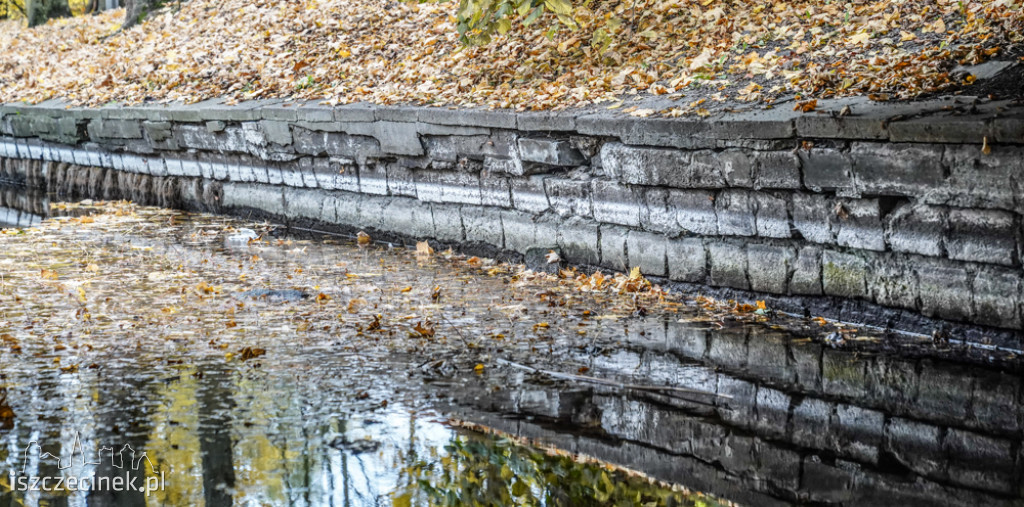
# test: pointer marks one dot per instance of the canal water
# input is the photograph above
(241, 363)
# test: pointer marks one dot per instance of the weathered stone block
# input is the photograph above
(101, 128)
(980, 461)
(988, 236)
(299, 202)
(247, 195)
(569, 197)
(891, 383)
(736, 165)
(355, 147)
(546, 121)
(772, 412)
(447, 222)
(827, 169)
(333, 175)
(738, 409)
(769, 267)
(994, 406)
(614, 203)
(687, 260)
(528, 194)
(982, 181)
(858, 224)
(401, 180)
(656, 166)
(309, 142)
(483, 225)
(997, 298)
(693, 210)
(860, 432)
(918, 229)
(355, 112)
(893, 283)
(844, 274)
(521, 232)
(213, 126)
(897, 169)
(686, 339)
(771, 214)
(510, 166)
(812, 418)
(409, 217)
(647, 251)
(197, 137)
(812, 217)
(549, 151)
(398, 138)
(943, 393)
(735, 213)
(728, 265)
(842, 374)
(579, 241)
(447, 187)
(613, 247)
(768, 358)
(944, 291)
(466, 117)
(776, 169)
(656, 212)
(917, 446)
(495, 190)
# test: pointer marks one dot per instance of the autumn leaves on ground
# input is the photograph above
(388, 52)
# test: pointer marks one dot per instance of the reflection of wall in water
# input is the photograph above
(21, 206)
(803, 421)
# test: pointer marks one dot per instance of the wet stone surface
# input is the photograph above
(254, 366)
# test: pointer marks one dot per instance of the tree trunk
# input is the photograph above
(39, 11)
(135, 11)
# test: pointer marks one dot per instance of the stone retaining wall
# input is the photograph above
(903, 217)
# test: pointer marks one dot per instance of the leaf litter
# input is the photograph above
(388, 52)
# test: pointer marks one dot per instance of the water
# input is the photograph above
(382, 377)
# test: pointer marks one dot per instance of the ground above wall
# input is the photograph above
(902, 215)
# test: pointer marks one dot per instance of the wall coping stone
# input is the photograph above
(946, 120)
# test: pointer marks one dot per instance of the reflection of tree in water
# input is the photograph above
(482, 470)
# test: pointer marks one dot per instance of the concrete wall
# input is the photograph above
(889, 222)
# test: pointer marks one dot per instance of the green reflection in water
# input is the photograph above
(481, 470)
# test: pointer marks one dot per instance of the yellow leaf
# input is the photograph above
(860, 38)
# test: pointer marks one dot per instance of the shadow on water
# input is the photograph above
(781, 417)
